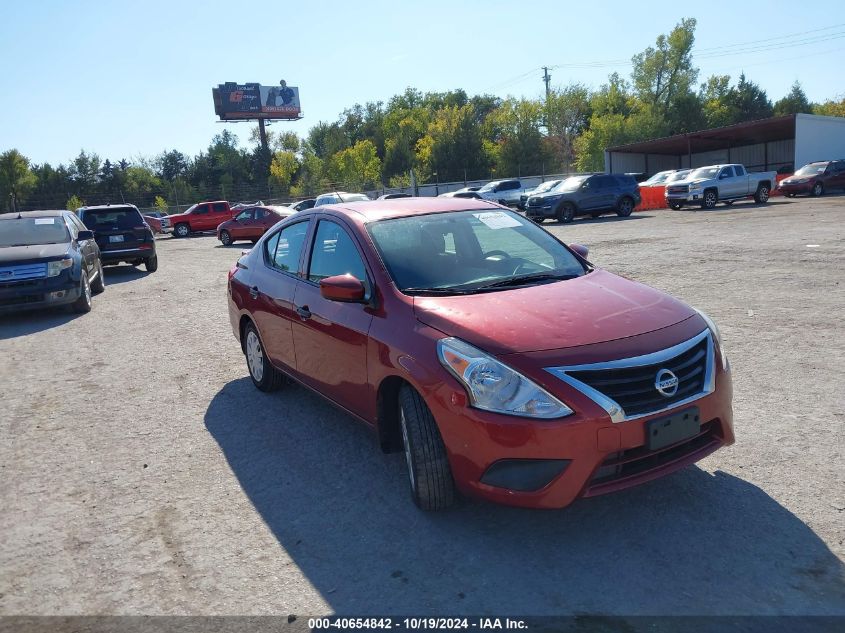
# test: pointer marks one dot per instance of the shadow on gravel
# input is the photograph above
(688, 543)
(123, 273)
(602, 219)
(23, 323)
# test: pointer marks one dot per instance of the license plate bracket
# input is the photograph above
(671, 429)
(115, 238)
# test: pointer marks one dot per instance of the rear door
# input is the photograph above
(220, 212)
(265, 219)
(330, 338)
(274, 283)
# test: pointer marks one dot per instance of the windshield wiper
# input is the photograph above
(442, 290)
(522, 280)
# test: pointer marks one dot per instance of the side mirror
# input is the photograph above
(582, 250)
(345, 288)
(85, 235)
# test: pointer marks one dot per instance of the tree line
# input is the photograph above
(434, 136)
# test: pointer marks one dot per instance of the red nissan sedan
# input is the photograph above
(250, 223)
(502, 362)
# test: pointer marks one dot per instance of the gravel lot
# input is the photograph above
(143, 474)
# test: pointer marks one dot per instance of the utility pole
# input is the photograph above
(546, 79)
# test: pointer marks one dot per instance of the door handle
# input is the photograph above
(303, 312)
(253, 292)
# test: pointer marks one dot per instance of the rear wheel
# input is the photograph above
(429, 474)
(83, 304)
(99, 284)
(566, 213)
(264, 376)
(625, 207)
(710, 199)
(818, 189)
(761, 196)
(151, 264)
(226, 238)
(181, 230)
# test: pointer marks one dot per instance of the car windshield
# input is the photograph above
(489, 186)
(190, 208)
(105, 219)
(354, 197)
(704, 172)
(32, 231)
(811, 169)
(547, 186)
(571, 184)
(678, 175)
(658, 178)
(462, 252)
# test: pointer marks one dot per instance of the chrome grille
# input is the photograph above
(21, 272)
(677, 189)
(627, 388)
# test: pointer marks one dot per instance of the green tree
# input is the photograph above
(73, 203)
(85, 171)
(605, 131)
(454, 146)
(515, 127)
(830, 108)
(567, 115)
(749, 101)
(310, 179)
(717, 106)
(794, 103)
(282, 170)
(665, 71)
(160, 204)
(357, 167)
(16, 179)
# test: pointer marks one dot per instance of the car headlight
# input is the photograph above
(56, 267)
(493, 386)
(718, 338)
(801, 181)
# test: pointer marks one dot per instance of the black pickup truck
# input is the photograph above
(47, 258)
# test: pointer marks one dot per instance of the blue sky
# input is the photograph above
(124, 79)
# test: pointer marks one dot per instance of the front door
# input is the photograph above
(241, 227)
(330, 338)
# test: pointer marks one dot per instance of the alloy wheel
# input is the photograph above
(254, 356)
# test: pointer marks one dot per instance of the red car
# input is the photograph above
(251, 223)
(502, 362)
(203, 216)
(815, 178)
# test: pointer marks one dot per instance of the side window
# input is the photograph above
(740, 171)
(511, 185)
(71, 225)
(76, 222)
(727, 172)
(201, 210)
(220, 207)
(260, 213)
(282, 250)
(334, 253)
(244, 215)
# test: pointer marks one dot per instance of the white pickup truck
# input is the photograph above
(505, 192)
(706, 186)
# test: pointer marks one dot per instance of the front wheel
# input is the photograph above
(151, 264)
(566, 213)
(264, 376)
(83, 304)
(181, 230)
(818, 189)
(226, 238)
(709, 200)
(625, 207)
(761, 196)
(429, 474)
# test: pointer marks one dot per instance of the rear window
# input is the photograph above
(33, 231)
(112, 218)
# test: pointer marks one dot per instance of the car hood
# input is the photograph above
(552, 195)
(595, 308)
(177, 216)
(697, 181)
(13, 254)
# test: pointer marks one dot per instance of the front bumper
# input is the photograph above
(804, 187)
(126, 255)
(45, 293)
(546, 211)
(584, 454)
(682, 198)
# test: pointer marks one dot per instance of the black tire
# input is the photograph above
(675, 207)
(429, 474)
(83, 304)
(818, 190)
(264, 376)
(99, 284)
(537, 220)
(711, 197)
(151, 264)
(181, 230)
(761, 196)
(625, 207)
(226, 238)
(566, 213)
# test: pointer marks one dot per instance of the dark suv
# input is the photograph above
(122, 234)
(586, 195)
(47, 258)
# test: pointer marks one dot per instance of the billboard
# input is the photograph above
(234, 101)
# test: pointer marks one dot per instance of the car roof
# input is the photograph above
(374, 210)
(34, 214)
(97, 207)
